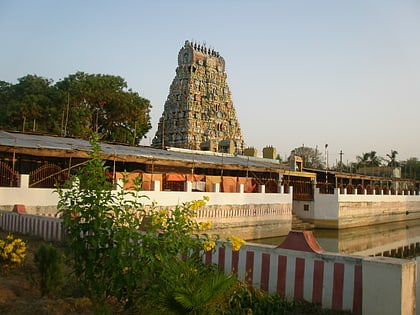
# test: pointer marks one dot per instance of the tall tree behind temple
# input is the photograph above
(75, 106)
(25, 106)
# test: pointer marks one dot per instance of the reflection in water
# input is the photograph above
(401, 239)
(372, 240)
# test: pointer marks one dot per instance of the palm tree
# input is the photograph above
(368, 159)
(362, 160)
(374, 160)
(392, 159)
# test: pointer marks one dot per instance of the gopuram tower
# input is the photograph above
(198, 113)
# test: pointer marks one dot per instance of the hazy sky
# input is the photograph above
(313, 72)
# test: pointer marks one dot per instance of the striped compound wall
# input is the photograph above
(300, 269)
(296, 269)
(332, 280)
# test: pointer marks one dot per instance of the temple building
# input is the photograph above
(198, 113)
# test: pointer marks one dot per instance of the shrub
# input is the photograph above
(119, 247)
(49, 263)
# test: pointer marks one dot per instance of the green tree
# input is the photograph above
(411, 168)
(6, 98)
(102, 104)
(312, 158)
(393, 159)
(30, 98)
(368, 159)
(76, 106)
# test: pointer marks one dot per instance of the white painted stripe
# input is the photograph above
(215, 256)
(256, 279)
(308, 280)
(328, 284)
(290, 277)
(241, 265)
(228, 260)
(348, 288)
(272, 280)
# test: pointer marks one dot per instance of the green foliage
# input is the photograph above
(188, 286)
(48, 260)
(369, 159)
(119, 247)
(75, 106)
(411, 168)
(245, 299)
(312, 158)
(101, 232)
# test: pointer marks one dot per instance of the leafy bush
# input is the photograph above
(49, 263)
(12, 253)
(119, 247)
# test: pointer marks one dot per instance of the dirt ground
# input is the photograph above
(20, 293)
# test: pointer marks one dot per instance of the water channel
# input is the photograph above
(400, 240)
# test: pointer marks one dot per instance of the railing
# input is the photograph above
(8, 177)
(47, 176)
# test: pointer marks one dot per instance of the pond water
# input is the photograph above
(367, 241)
(401, 240)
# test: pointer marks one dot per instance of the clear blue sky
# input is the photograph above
(346, 73)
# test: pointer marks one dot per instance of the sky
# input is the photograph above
(301, 73)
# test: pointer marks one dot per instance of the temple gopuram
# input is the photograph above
(198, 113)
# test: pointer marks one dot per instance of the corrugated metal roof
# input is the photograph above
(68, 145)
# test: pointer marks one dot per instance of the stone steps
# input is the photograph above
(300, 225)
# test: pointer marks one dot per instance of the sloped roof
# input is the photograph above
(61, 147)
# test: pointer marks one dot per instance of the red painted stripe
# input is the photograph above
(358, 290)
(235, 262)
(338, 284)
(318, 282)
(299, 278)
(221, 259)
(281, 275)
(209, 255)
(265, 271)
(249, 267)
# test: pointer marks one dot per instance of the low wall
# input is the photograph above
(296, 269)
(246, 215)
(338, 210)
(47, 228)
(299, 269)
(44, 200)
(248, 221)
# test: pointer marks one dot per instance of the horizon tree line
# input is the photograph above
(76, 106)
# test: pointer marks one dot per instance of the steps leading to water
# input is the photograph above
(300, 224)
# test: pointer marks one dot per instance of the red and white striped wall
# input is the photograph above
(305, 273)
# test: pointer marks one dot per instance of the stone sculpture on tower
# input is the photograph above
(198, 113)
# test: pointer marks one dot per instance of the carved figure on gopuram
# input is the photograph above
(198, 113)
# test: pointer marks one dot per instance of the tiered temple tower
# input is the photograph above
(199, 113)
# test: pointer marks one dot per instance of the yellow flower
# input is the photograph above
(208, 245)
(236, 243)
(198, 203)
(205, 226)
